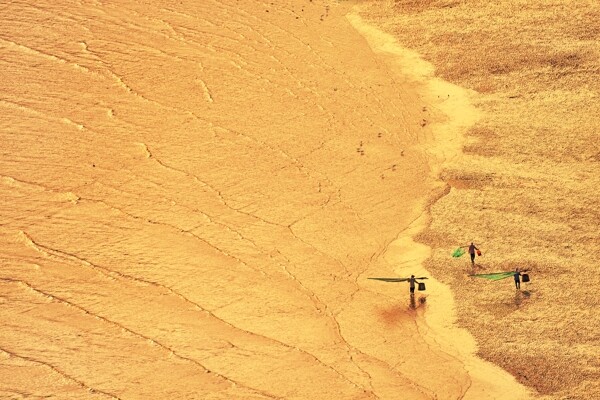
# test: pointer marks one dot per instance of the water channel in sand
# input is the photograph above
(196, 195)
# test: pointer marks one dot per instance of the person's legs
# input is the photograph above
(472, 258)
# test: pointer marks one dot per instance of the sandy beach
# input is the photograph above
(195, 195)
(525, 186)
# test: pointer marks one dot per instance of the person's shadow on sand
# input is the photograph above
(520, 296)
(413, 305)
(398, 314)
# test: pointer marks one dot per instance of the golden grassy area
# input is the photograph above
(526, 187)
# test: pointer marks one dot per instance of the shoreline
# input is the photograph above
(525, 186)
(454, 115)
(244, 169)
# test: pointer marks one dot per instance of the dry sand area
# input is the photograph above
(194, 194)
(526, 187)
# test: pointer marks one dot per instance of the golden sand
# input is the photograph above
(195, 193)
(526, 187)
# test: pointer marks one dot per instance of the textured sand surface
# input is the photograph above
(195, 193)
(526, 186)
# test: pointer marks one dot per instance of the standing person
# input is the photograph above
(472, 249)
(517, 276)
(412, 281)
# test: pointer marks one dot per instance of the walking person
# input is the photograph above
(517, 276)
(472, 249)
(412, 281)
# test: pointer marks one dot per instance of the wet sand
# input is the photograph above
(196, 193)
(525, 187)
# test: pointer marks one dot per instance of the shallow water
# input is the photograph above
(195, 195)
